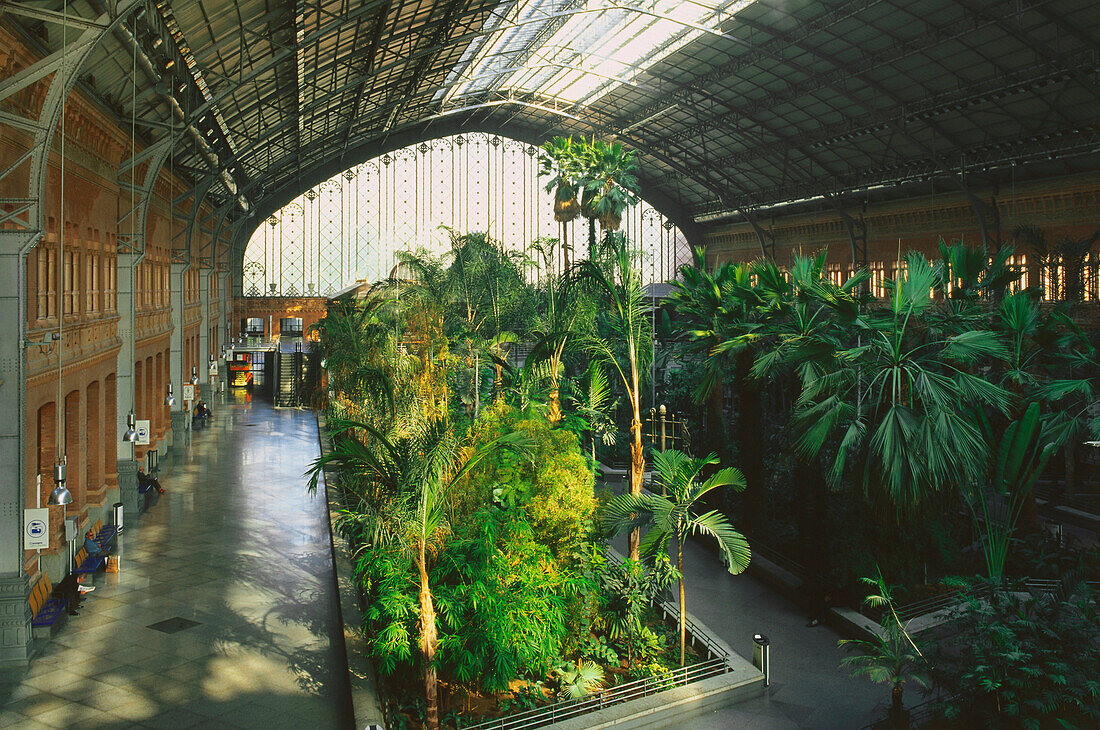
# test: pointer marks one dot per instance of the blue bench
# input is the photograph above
(102, 536)
(45, 609)
(87, 563)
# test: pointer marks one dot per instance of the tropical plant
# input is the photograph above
(1022, 454)
(625, 348)
(891, 656)
(579, 680)
(357, 346)
(503, 599)
(971, 273)
(604, 174)
(1022, 659)
(549, 480)
(592, 407)
(555, 331)
(627, 589)
(610, 183)
(898, 399)
(671, 517)
(417, 472)
(720, 317)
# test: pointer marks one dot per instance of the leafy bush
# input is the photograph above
(551, 482)
(502, 600)
(1023, 660)
(651, 668)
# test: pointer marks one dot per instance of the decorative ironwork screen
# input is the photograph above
(349, 228)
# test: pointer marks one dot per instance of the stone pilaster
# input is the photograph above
(180, 422)
(15, 622)
(15, 626)
(128, 490)
(176, 374)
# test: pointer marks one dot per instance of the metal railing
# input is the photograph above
(955, 598)
(772, 555)
(548, 715)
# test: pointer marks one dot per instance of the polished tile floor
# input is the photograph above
(223, 612)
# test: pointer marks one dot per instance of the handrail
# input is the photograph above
(925, 606)
(565, 709)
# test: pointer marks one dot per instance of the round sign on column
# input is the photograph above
(36, 529)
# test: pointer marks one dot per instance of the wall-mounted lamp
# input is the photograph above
(170, 399)
(194, 375)
(131, 428)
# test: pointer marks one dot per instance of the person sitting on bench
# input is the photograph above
(203, 411)
(71, 590)
(92, 546)
(146, 482)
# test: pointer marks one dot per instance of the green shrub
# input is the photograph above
(1026, 661)
(501, 600)
(551, 482)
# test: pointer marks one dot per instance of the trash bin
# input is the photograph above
(118, 515)
(760, 656)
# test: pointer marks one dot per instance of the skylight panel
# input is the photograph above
(576, 52)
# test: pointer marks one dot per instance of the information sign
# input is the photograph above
(142, 433)
(36, 529)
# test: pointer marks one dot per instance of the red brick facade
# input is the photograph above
(76, 289)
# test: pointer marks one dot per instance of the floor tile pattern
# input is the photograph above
(234, 560)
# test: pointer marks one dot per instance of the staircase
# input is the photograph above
(288, 379)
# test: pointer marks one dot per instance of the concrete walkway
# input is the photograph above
(808, 689)
(223, 613)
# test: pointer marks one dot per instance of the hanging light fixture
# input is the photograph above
(194, 375)
(60, 495)
(131, 428)
(170, 399)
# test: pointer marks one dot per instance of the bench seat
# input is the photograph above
(87, 563)
(103, 535)
(46, 610)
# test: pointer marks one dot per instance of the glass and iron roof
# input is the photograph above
(735, 107)
(575, 52)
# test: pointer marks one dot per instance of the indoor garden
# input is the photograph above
(893, 448)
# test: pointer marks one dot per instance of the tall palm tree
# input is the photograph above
(625, 350)
(417, 471)
(672, 518)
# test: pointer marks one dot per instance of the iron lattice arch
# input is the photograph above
(738, 108)
(351, 226)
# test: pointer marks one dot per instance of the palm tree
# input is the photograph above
(554, 331)
(898, 400)
(417, 472)
(593, 405)
(620, 288)
(672, 517)
(358, 348)
(891, 656)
